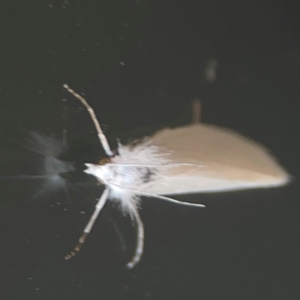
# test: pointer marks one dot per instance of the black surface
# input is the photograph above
(140, 63)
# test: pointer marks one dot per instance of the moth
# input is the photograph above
(191, 159)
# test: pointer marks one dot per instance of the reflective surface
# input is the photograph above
(139, 63)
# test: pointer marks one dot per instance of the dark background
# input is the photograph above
(139, 63)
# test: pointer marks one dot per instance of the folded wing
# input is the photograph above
(224, 160)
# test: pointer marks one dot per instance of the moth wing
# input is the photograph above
(229, 162)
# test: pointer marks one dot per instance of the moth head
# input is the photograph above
(100, 171)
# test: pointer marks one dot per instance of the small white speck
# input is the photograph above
(122, 63)
(82, 212)
(30, 278)
(50, 5)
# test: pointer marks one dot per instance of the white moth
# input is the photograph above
(190, 159)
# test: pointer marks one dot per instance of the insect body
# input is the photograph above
(190, 159)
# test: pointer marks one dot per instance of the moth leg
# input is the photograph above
(89, 225)
(100, 133)
(141, 193)
(140, 241)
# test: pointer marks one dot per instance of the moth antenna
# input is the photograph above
(100, 133)
(157, 196)
(196, 111)
(140, 240)
(89, 225)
